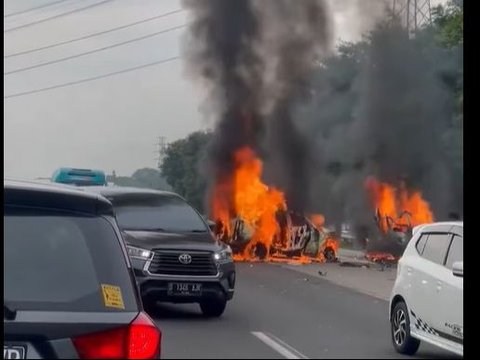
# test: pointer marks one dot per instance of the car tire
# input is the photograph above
(402, 340)
(260, 251)
(213, 308)
(329, 254)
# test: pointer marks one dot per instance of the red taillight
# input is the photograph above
(143, 339)
(105, 345)
(139, 340)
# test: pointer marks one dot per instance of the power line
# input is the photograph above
(92, 35)
(56, 16)
(34, 8)
(91, 78)
(93, 51)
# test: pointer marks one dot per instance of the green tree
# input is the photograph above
(448, 21)
(448, 25)
(143, 178)
(184, 167)
(150, 178)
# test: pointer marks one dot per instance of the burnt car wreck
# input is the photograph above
(296, 237)
(390, 238)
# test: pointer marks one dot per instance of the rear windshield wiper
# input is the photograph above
(9, 312)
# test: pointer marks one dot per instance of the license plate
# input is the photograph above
(184, 289)
(14, 352)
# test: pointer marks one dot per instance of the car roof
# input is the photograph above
(432, 226)
(113, 190)
(54, 196)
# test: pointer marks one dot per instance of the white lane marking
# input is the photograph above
(278, 345)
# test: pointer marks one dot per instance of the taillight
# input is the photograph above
(139, 340)
(144, 339)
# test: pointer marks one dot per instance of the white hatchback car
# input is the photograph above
(426, 303)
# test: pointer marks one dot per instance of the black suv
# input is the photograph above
(68, 284)
(174, 253)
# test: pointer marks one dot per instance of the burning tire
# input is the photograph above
(329, 254)
(260, 251)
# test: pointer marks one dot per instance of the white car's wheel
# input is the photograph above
(403, 342)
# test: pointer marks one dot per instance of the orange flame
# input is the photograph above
(318, 220)
(404, 208)
(221, 208)
(253, 201)
(333, 243)
(244, 196)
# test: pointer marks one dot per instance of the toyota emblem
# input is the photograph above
(185, 259)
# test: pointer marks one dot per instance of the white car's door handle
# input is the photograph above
(424, 282)
(439, 285)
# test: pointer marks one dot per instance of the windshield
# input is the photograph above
(158, 213)
(56, 261)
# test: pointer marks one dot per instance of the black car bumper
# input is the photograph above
(157, 287)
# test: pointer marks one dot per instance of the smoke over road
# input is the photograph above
(400, 112)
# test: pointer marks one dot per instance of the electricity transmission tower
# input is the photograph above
(413, 14)
(161, 150)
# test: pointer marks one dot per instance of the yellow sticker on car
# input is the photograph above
(112, 296)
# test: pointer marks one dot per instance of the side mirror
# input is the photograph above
(457, 268)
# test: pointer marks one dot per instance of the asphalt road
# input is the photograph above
(279, 313)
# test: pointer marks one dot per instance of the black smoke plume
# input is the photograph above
(391, 118)
(255, 58)
(301, 35)
(223, 54)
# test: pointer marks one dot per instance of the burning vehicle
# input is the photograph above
(399, 229)
(297, 237)
(257, 224)
(397, 212)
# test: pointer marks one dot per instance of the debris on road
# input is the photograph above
(380, 257)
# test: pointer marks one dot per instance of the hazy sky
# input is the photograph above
(111, 123)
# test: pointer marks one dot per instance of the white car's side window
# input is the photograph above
(436, 247)
(420, 245)
(455, 253)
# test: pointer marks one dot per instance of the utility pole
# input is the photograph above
(413, 14)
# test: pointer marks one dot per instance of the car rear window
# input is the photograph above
(58, 261)
(162, 213)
